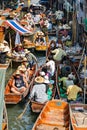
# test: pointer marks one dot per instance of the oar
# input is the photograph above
(20, 116)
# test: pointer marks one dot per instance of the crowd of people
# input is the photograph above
(56, 56)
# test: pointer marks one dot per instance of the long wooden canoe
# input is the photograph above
(37, 106)
(5, 119)
(78, 116)
(54, 116)
(12, 98)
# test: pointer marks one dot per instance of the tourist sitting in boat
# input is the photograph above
(38, 92)
(30, 58)
(19, 83)
(24, 72)
(73, 92)
(59, 54)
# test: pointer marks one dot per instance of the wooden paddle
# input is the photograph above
(20, 116)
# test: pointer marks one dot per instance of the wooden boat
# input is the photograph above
(37, 106)
(54, 116)
(78, 116)
(41, 47)
(12, 98)
(5, 119)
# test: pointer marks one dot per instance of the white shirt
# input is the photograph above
(39, 91)
(51, 70)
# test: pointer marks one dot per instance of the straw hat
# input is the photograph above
(22, 68)
(26, 51)
(25, 59)
(41, 33)
(39, 79)
(17, 72)
(46, 79)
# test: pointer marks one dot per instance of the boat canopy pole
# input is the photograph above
(2, 87)
(85, 78)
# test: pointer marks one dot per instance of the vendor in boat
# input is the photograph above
(70, 80)
(19, 83)
(59, 54)
(30, 58)
(51, 47)
(18, 48)
(74, 94)
(50, 64)
(65, 69)
(40, 39)
(38, 92)
(42, 90)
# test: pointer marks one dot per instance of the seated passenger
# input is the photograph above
(19, 83)
(38, 92)
(40, 38)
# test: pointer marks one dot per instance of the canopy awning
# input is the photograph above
(17, 27)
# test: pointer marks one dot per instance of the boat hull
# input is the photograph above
(53, 116)
(78, 116)
(12, 98)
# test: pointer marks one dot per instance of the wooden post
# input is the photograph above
(10, 45)
(85, 78)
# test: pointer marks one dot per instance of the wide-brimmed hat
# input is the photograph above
(25, 59)
(6, 49)
(66, 26)
(26, 51)
(17, 72)
(22, 68)
(39, 79)
(46, 79)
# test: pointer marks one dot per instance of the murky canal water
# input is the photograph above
(28, 119)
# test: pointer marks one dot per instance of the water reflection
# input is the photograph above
(28, 119)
